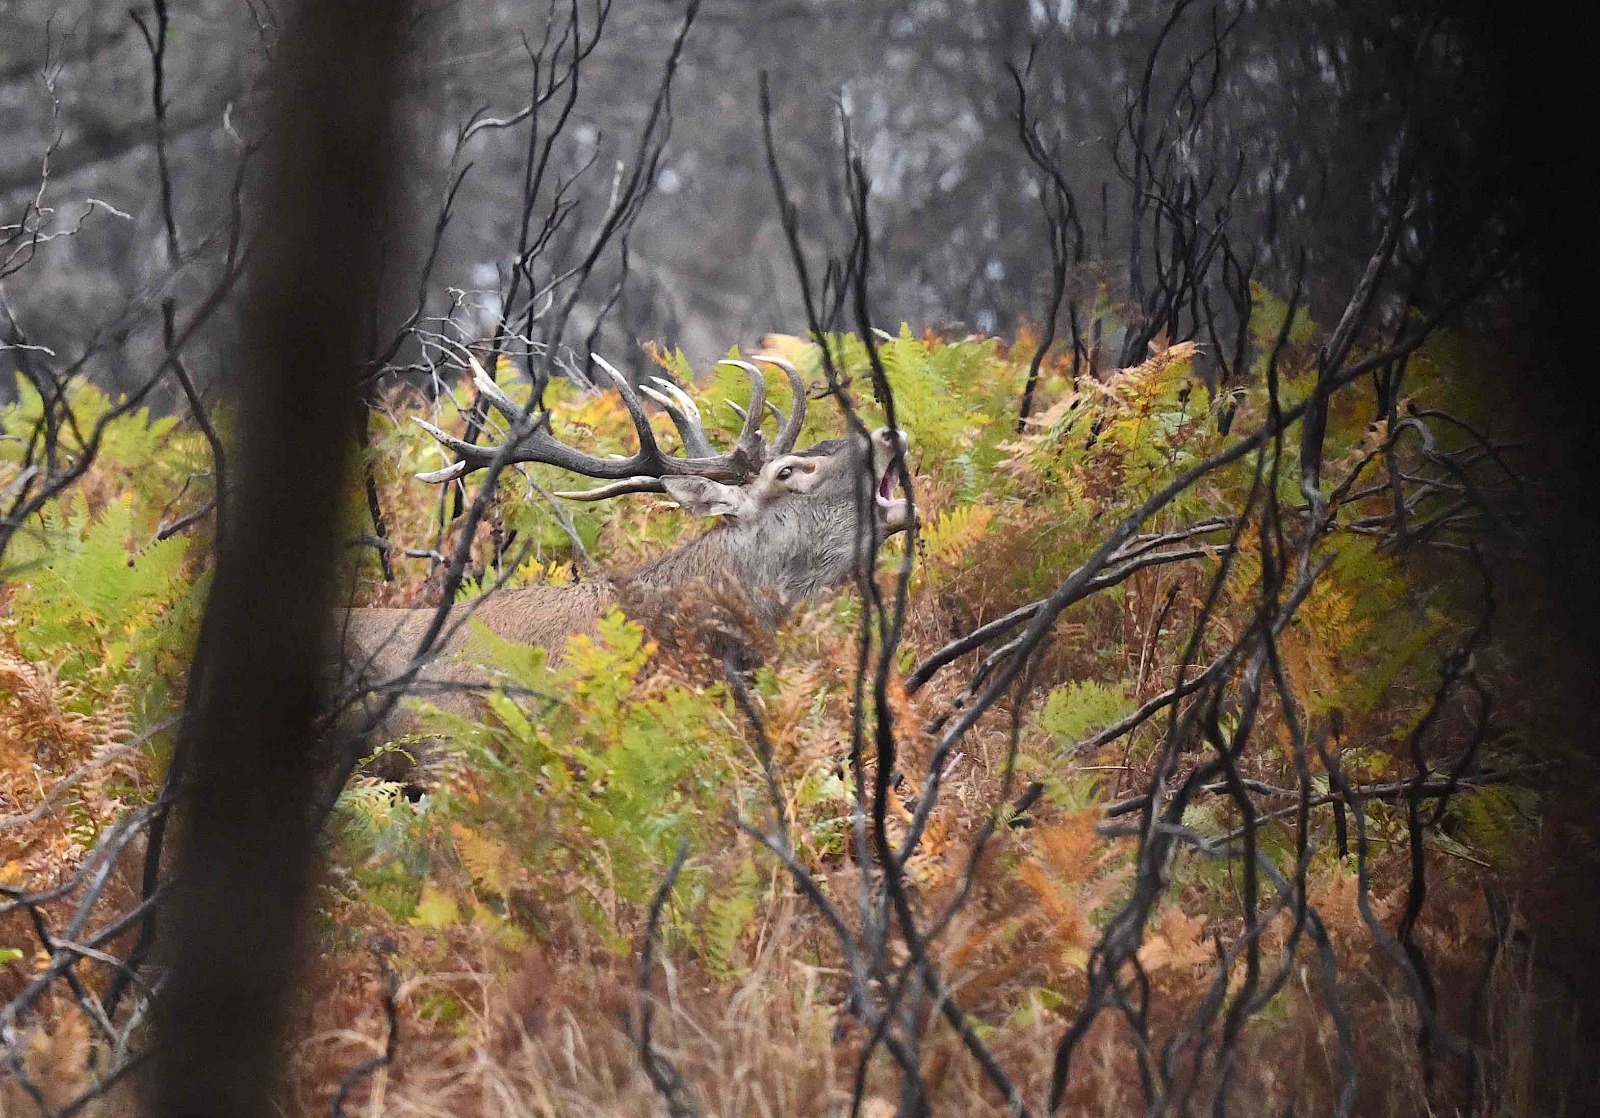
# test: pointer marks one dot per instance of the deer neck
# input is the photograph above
(767, 560)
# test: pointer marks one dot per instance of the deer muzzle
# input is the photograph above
(888, 452)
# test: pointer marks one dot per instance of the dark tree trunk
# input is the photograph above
(246, 842)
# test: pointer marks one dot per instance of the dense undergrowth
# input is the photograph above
(505, 906)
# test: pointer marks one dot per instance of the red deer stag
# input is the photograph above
(789, 524)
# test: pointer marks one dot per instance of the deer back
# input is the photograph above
(378, 644)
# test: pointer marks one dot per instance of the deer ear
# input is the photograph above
(707, 498)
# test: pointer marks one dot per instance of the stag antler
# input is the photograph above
(643, 472)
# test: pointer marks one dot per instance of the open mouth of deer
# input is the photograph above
(888, 491)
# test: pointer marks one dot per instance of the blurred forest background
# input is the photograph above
(1311, 103)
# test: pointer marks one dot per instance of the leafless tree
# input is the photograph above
(1183, 277)
(247, 743)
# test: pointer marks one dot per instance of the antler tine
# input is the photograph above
(466, 450)
(491, 391)
(797, 412)
(449, 473)
(685, 416)
(630, 399)
(615, 489)
(682, 398)
(750, 435)
(772, 409)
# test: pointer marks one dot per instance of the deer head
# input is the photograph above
(792, 522)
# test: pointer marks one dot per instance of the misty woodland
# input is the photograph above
(799, 557)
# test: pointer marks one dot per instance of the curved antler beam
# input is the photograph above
(531, 440)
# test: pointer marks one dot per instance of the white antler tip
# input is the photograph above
(449, 473)
(780, 362)
(484, 382)
(609, 368)
(678, 394)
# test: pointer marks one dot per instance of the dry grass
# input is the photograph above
(539, 1019)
